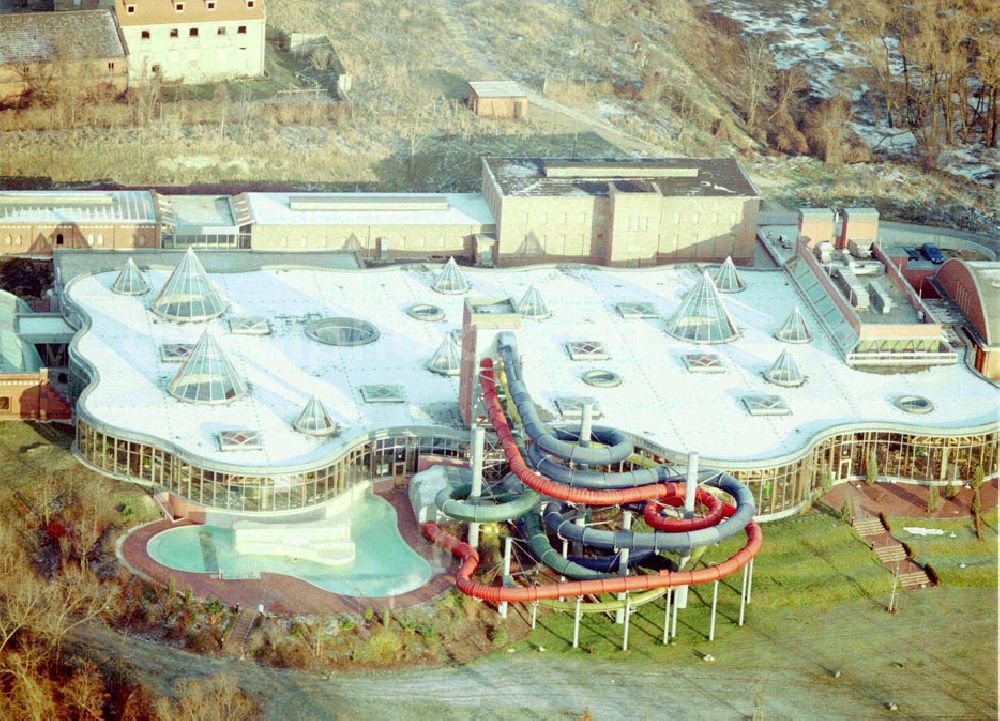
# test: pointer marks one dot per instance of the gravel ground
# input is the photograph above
(934, 659)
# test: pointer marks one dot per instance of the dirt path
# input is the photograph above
(781, 664)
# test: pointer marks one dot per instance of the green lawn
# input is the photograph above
(945, 554)
(808, 561)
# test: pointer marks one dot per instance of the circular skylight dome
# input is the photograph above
(914, 404)
(425, 311)
(342, 331)
(602, 379)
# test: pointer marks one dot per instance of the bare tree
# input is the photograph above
(758, 75)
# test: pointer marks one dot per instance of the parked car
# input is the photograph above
(911, 253)
(932, 253)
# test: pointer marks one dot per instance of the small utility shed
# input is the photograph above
(497, 99)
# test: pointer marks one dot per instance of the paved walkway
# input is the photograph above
(286, 594)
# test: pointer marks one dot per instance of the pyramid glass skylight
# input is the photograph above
(130, 281)
(450, 280)
(447, 359)
(785, 371)
(727, 280)
(314, 420)
(188, 295)
(701, 316)
(794, 329)
(532, 305)
(207, 376)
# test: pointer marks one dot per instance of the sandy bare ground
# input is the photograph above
(935, 659)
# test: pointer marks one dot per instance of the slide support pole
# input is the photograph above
(478, 442)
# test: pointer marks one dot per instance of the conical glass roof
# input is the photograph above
(314, 420)
(130, 281)
(447, 359)
(727, 280)
(532, 305)
(785, 371)
(450, 280)
(207, 376)
(701, 316)
(188, 295)
(794, 329)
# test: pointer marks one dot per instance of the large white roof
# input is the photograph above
(85, 207)
(659, 399)
(371, 209)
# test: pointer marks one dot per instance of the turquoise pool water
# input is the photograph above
(383, 566)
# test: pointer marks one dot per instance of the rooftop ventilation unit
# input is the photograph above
(383, 394)
(239, 440)
(794, 329)
(704, 363)
(727, 280)
(587, 350)
(450, 280)
(188, 295)
(447, 359)
(362, 202)
(701, 316)
(130, 281)
(532, 305)
(633, 310)
(761, 405)
(785, 372)
(207, 376)
(315, 421)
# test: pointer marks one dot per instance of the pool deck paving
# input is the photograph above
(286, 594)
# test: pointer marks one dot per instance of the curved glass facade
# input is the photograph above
(777, 488)
(378, 459)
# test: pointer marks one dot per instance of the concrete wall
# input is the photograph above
(395, 241)
(498, 107)
(622, 229)
(98, 74)
(28, 396)
(206, 58)
(41, 239)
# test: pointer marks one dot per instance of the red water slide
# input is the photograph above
(669, 493)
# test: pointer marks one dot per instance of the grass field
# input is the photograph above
(810, 561)
(945, 554)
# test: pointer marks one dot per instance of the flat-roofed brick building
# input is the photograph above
(36, 222)
(975, 288)
(626, 212)
(193, 41)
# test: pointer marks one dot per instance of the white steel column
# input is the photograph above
(666, 615)
(628, 614)
(586, 422)
(715, 600)
(478, 442)
(621, 615)
(690, 486)
(743, 593)
(576, 623)
(505, 573)
(750, 582)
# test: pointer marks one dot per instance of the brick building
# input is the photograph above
(975, 289)
(46, 51)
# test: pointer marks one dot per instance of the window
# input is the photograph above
(59, 239)
(90, 238)
(211, 5)
(179, 7)
(173, 32)
(7, 240)
(111, 66)
(130, 9)
(250, 3)
(156, 70)
(222, 30)
(145, 35)
(241, 30)
(100, 239)
(4, 403)
(193, 32)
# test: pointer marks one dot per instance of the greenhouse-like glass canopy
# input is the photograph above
(701, 316)
(188, 295)
(207, 375)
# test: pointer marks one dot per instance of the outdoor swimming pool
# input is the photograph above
(384, 564)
